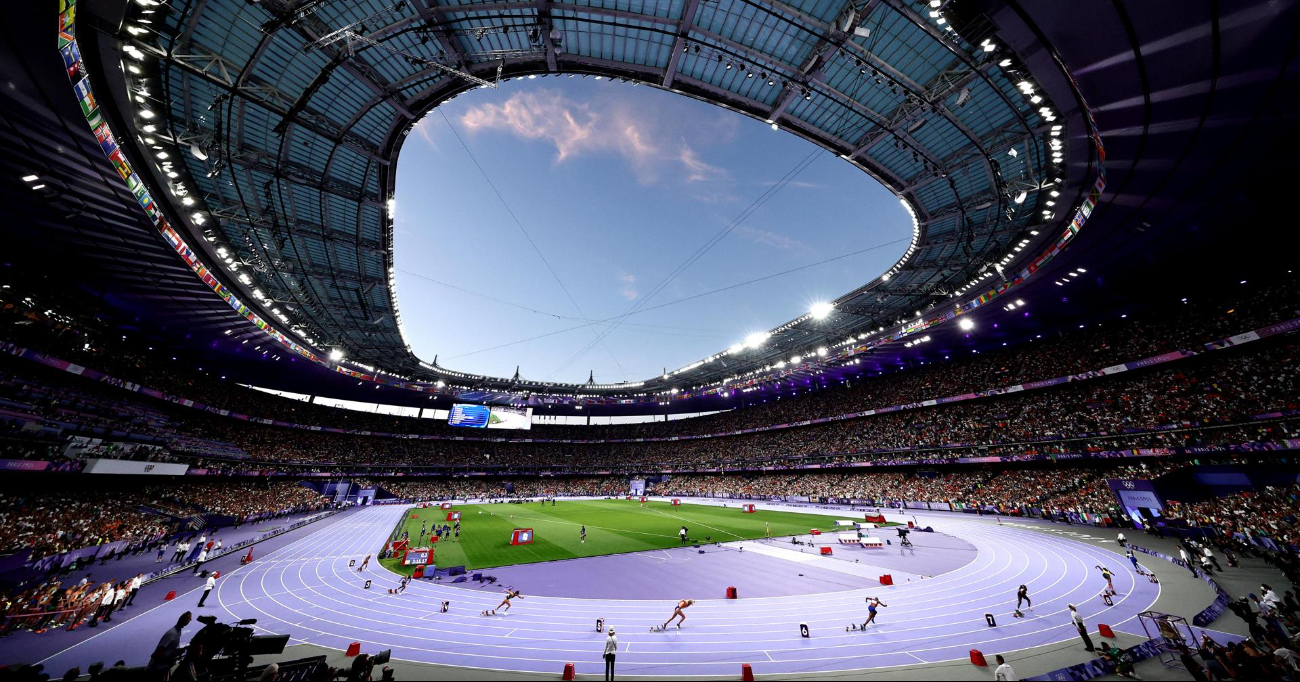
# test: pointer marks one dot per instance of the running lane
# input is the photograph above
(308, 590)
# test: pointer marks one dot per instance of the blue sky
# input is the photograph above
(612, 189)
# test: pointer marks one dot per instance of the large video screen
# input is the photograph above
(494, 417)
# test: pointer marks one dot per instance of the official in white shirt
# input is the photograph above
(207, 589)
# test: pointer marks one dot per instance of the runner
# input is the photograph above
(1110, 584)
(364, 564)
(1023, 593)
(679, 612)
(510, 594)
(872, 603)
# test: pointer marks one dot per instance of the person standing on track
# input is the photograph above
(207, 589)
(136, 582)
(1133, 560)
(611, 648)
(873, 603)
(1081, 627)
(510, 594)
(680, 611)
(1023, 594)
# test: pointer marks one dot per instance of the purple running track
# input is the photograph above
(307, 589)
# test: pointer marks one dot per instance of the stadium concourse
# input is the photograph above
(1053, 437)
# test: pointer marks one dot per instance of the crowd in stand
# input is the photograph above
(1075, 489)
(1114, 413)
(1272, 512)
(53, 523)
(1188, 326)
(50, 523)
(1132, 409)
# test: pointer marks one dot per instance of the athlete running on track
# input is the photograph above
(364, 564)
(679, 612)
(871, 610)
(510, 594)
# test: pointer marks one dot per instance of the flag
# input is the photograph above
(119, 162)
(85, 97)
(71, 59)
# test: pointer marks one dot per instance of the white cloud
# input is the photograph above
(773, 239)
(628, 291)
(598, 127)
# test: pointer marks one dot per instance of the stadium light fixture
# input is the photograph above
(821, 352)
(756, 339)
(966, 324)
(31, 178)
(821, 309)
(796, 359)
(336, 355)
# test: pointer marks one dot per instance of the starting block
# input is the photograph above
(826, 551)
(1105, 598)
(1105, 631)
(1017, 614)
(977, 658)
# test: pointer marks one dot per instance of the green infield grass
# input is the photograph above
(613, 527)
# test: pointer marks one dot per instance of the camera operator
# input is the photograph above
(164, 656)
(362, 666)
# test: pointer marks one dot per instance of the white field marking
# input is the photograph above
(696, 522)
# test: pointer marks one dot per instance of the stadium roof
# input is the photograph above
(272, 130)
